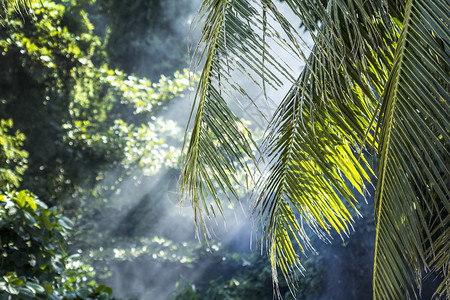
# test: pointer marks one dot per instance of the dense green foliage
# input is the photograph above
(79, 119)
(87, 156)
(33, 237)
(84, 129)
(35, 264)
(251, 279)
(13, 159)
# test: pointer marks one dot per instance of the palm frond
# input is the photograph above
(234, 41)
(366, 54)
(439, 256)
(412, 195)
(21, 6)
(314, 139)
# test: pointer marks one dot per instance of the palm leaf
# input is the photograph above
(219, 143)
(21, 6)
(314, 137)
(439, 257)
(366, 54)
(412, 196)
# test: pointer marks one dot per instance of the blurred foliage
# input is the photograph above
(157, 248)
(32, 238)
(81, 120)
(249, 278)
(12, 158)
(35, 264)
(91, 130)
(39, 55)
(146, 37)
(33, 259)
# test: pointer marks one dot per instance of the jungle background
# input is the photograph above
(94, 99)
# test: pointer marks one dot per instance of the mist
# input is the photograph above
(152, 234)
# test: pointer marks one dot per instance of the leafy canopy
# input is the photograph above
(82, 119)
(89, 128)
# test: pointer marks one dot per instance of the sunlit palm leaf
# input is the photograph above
(21, 6)
(313, 139)
(412, 196)
(323, 124)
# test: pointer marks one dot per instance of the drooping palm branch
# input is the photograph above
(219, 143)
(313, 137)
(21, 6)
(412, 194)
(367, 54)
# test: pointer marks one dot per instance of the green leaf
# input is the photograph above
(54, 297)
(37, 288)
(16, 281)
(26, 293)
(31, 203)
(412, 194)
(377, 77)
(21, 198)
(65, 222)
(29, 218)
(11, 289)
(104, 289)
(48, 288)
(45, 220)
